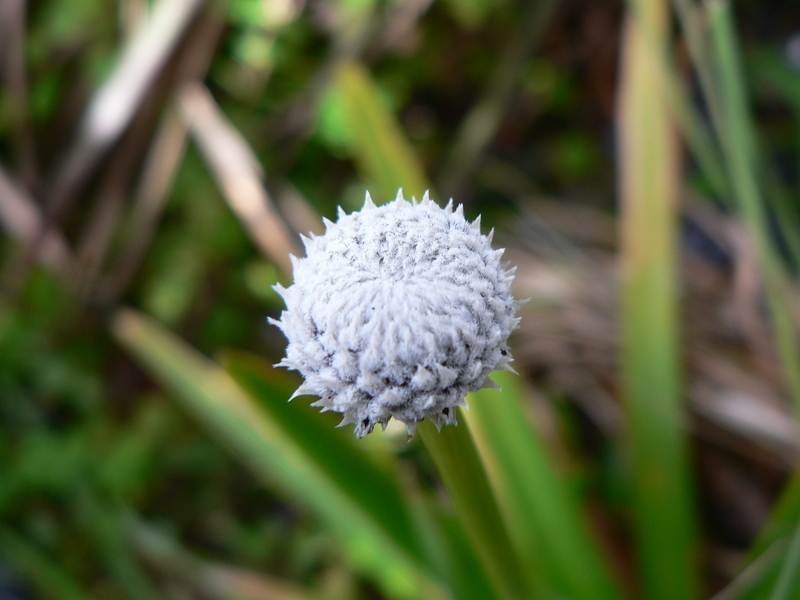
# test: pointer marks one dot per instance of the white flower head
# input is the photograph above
(398, 311)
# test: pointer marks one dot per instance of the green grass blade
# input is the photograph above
(740, 145)
(543, 512)
(50, 579)
(699, 137)
(651, 377)
(757, 579)
(739, 142)
(447, 547)
(782, 519)
(383, 497)
(771, 70)
(294, 465)
(788, 585)
(759, 576)
(382, 151)
(335, 451)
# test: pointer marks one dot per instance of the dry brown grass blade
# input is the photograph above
(299, 214)
(239, 175)
(109, 113)
(21, 217)
(116, 103)
(159, 171)
(745, 441)
(161, 162)
(101, 224)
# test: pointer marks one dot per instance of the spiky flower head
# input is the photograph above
(398, 311)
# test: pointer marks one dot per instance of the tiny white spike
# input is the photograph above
(449, 207)
(340, 212)
(499, 253)
(490, 384)
(460, 210)
(368, 203)
(411, 428)
(303, 390)
(426, 197)
(520, 303)
(399, 197)
(278, 324)
(476, 225)
(490, 235)
(364, 429)
(328, 223)
(306, 241)
(295, 261)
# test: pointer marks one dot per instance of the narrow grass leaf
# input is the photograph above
(649, 181)
(772, 71)
(447, 548)
(699, 136)
(739, 142)
(758, 578)
(382, 151)
(759, 575)
(293, 464)
(543, 512)
(787, 587)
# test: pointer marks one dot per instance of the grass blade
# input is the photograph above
(294, 465)
(447, 547)
(548, 527)
(739, 144)
(383, 153)
(649, 183)
(788, 585)
(759, 576)
(349, 466)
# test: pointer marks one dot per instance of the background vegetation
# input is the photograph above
(639, 161)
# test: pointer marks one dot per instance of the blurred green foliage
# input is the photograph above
(133, 466)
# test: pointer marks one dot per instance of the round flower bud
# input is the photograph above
(398, 311)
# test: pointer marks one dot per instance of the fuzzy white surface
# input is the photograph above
(398, 311)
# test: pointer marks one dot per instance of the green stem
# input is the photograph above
(464, 476)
